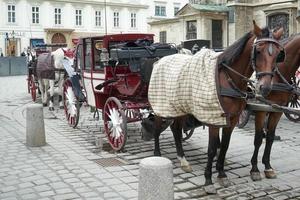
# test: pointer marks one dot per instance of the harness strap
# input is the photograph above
(234, 91)
(229, 92)
(285, 86)
(237, 73)
(282, 87)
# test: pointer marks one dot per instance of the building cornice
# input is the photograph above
(59, 29)
(102, 3)
(164, 21)
(260, 4)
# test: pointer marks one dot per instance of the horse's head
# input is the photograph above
(69, 54)
(265, 52)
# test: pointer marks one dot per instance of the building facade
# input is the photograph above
(24, 23)
(222, 22)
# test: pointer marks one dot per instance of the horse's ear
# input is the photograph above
(278, 33)
(64, 50)
(256, 30)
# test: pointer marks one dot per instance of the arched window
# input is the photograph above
(57, 38)
(279, 20)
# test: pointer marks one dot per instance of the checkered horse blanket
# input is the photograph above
(183, 84)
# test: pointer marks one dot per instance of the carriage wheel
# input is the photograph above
(294, 103)
(115, 123)
(187, 134)
(32, 87)
(243, 119)
(71, 105)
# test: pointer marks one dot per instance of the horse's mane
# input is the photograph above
(231, 53)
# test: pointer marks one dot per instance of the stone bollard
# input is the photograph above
(35, 129)
(156, 179)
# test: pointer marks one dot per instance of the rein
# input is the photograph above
(235, 91)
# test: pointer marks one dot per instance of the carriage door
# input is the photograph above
(87, 73)
(98, 65)
(217, 36)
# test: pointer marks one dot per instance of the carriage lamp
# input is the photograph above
(104, 56)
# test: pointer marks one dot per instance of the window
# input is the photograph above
(78, 14)
(98, 49)
(116, 19)
(11, 13)
(35, 15)
(87, 55)
(97, 18)
(133, 20)
(79, 57)
(163, 36)
(191, 30)
(176, 9)
(57, 16)
(160, 10)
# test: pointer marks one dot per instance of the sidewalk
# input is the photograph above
(70, 166)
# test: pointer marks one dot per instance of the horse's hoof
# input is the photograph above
(51, 108)
(187, 168)
(224, 182)
(44, 104)
(255, 176)
(277, 138)
(270, 173)
(210, 189)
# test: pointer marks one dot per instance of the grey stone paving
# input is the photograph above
(66, 167)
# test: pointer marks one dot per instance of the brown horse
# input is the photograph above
(255, 51)
(280, 94)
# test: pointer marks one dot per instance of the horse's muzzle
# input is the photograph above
(265, 90)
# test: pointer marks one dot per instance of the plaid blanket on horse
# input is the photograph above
(183, 84)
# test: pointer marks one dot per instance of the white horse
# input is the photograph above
(58, 56)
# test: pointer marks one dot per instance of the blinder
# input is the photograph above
(281, 56)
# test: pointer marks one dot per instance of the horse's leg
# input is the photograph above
(211, 152)
(176, 128)
(60, 90)
(157, 131)
(226, 135)
(271, 127)
(259, 133)
(51, 102)
(42, 89)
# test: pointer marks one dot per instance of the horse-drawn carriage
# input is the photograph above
(32, 79)
(115, 80)
(46, 70)
(115, 72)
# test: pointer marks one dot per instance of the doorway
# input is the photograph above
(58, 38)
(217, 34)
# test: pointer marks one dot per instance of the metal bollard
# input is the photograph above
(35, 128)
(156, 179)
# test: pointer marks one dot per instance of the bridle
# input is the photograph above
(235, 91)
(280, 56)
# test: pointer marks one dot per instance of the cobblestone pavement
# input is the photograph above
(71, 166)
